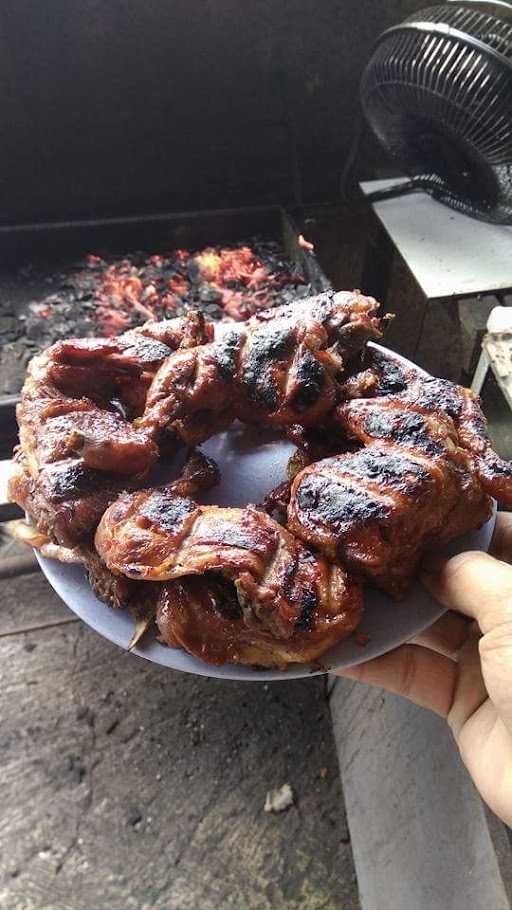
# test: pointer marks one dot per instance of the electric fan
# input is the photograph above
(437, 93)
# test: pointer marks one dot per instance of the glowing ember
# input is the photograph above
(42, 310)
(105, 294)
(227, 282)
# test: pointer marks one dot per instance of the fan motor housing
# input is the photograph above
(437, 93)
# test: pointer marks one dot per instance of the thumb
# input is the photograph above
(480, 586)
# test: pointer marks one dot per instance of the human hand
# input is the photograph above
(461, 667)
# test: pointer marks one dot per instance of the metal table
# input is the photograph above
(450, 256)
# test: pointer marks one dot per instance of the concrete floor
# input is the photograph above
(127, 785)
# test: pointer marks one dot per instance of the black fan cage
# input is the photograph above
(437, 92)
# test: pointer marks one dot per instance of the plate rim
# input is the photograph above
(242, 672)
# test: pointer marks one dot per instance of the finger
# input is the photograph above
(446, 635)
(424, 677)
(481, 587)
(472, 583)
(470, 691)
(501, 543)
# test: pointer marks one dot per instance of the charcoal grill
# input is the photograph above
(36, 256)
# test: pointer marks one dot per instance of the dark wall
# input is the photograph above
(125, 106)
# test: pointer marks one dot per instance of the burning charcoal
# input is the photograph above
(67, 286)
(105, 294)
(194, 271)
(13, 363)
(10, 329)
(213, 312)
(35, 328)
(92, 261)
(83, 328)
(37, 308)
(60, 330)
(301, 291)
(149, 291)
(209, 294)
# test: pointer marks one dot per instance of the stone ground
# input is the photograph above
(127, 785)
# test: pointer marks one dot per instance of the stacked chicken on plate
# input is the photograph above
(390, 462)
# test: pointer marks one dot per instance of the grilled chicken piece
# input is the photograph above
(184, 332)
(199, 473)
(78, 445)
(282, 367)
(248, 591)
(378, 509)
(65, 499)
(202, 615)
(116, 591)
(432, 395)
(424, 477)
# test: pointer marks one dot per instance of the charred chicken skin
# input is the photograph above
(282, 367)
(202, 615)
(78, 445)
(237, 586)
(424, 477)
(439, 396)
(379, 508)
(199, 474)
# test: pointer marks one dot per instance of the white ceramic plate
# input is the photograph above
(252, 462)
